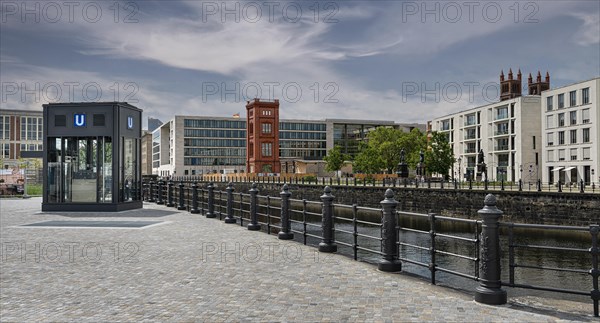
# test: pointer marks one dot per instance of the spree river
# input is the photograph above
(523, 256)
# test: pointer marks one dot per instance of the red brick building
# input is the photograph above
(262, 136)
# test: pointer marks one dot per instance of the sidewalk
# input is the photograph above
(189, 268)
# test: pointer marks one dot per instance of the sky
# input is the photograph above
(406, 61)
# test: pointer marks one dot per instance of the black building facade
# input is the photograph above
(92, 156)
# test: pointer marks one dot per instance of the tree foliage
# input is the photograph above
(439, 158)
(382, 150)
(335, 159)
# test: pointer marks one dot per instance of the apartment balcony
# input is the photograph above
(501, 147)
(470, 151)
(501, 116)
(501, 132)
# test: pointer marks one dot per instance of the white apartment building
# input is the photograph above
(570, 136)
(507, 132)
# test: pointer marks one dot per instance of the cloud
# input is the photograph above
(589, 33)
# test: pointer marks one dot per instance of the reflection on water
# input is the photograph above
(523, 256)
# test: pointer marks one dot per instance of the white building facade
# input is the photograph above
(508, 133)
(570, 137)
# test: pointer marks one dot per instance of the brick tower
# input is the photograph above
(539, 86)
(262, 136)
(510, 88)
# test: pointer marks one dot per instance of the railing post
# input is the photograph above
(229, 218)
(253, 225)
(211, 201)
(502, 184)
(581, 187)
(489, 291)
(470, 183)
(520, 185)
(181, 205)
(595, 272)
(160, 193)
(328, 242)
(170, 194)
(285, 233)
(151, 192)
(539, 185)
(389, 234)
(194, 209)
(559, 186)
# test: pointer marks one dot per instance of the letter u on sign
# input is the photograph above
(129, 122)
(79, 120)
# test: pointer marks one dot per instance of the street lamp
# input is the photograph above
(25, 196)
(460, 174)
(402, 167)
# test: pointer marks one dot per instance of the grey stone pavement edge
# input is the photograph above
(190, 268)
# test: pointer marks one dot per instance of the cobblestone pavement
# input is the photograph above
(192, 268)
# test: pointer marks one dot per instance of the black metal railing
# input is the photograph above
(352, 228)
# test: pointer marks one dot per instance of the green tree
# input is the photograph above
(439, 158)
(335, 159)
(368, 160)
(384, 146)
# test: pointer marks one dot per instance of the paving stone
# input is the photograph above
(193, 268)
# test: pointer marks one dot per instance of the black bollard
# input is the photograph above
(181, 205)
(253, 225)
(389, 236)
(285, 233)
(210, 213)
(170, 194)
(489, 291)
(328, 242)
(194, 209)
(229, 218)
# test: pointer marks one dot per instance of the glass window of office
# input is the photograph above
(561, 137)
(550, 121)
(585, 95)
(549, 106)
(267, 149)
(561, 101)
(572, 98)
(129, 174)
(266, 128)
(586, 153)
(586, 134)
(501, 113)
(550, 155)
(550, 138)
(573, 136)
(561, 155)
(561, 119)
(4, 127)
(573, 118)
(585, 116)
(471, 119)
(573, 154)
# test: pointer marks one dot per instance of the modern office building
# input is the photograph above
(153, 124)
(194, 145)
(570, 137)
(146, 152)
(20, 130)
(507, 131)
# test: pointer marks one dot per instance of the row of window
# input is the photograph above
(213, 133)
(209, 161)
(222, 124)
(573, 120)
(303, 153)
(585, 137)
(191, 142)
(561, 154)
(302, 144)
(214, 152)
(560, 98)
(31, 128)
(303, 135)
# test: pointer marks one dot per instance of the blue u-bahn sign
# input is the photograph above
(79, 120)
(129, 122)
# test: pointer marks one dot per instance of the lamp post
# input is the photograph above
(402, 167)
(25, 196)
(460, 174)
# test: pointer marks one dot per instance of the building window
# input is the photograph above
(561, 119)
(573, 117)
(549, 121)
(471, 120)
(585, 95)
(267, 149)
(561, 154)
(549, 103)
(572, 98)
(585, 116)
(561, 101)
(266, 128)
(573, 154)
(586, 153)
(446, 125)
(573, 136)
(550, 138)
(267, 112)
(561, 137)
(550, 155)
(6, 151)
(501, 113)
(586, 135)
